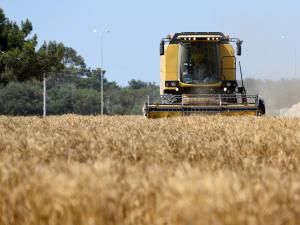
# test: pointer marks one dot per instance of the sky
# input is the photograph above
(269, 29)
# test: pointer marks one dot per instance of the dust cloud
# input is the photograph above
(294, 111)
(279, 95)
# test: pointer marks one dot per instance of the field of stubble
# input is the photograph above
(75, 170)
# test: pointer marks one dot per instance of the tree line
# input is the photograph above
(72, 94)
(71, 86)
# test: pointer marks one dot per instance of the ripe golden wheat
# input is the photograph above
(76, 170)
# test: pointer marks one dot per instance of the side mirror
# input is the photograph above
(162, 47)
(239, 47)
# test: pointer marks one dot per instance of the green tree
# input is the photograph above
(137, 84)
(61, 99)
(21, 99)
(21, 61)
(87, 101)
(55, 57)
(18, 60)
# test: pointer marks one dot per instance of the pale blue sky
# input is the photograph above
(131, 49)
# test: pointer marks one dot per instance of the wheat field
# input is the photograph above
(76, 170)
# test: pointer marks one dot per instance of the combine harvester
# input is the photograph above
(198, 76)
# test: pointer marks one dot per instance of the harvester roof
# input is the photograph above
(177, 36)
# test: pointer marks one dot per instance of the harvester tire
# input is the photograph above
(261, 110)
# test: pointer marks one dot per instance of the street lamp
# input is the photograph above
(44, 96)
(102, 72)
(295, 55)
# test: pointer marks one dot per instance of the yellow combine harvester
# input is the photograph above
(198, 75)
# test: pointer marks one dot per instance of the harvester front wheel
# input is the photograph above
(261, 110)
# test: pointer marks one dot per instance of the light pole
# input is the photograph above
(44, 96)
(295, 55)
(102, 70)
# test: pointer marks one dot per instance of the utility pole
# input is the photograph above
(102, 75)
(102, 70)
(44, 96)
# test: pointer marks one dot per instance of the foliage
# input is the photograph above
(21, 99)
(21, 61)
(55, 57)
(72, 94)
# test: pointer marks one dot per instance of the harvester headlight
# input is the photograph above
(208, 39)
(225, 89)
(171, 83)
(195, 39)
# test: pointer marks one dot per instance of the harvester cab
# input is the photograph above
(198, 76)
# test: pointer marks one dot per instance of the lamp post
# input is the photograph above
(102, 72)
(295, 55)
(295, 58)
(44, 96)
